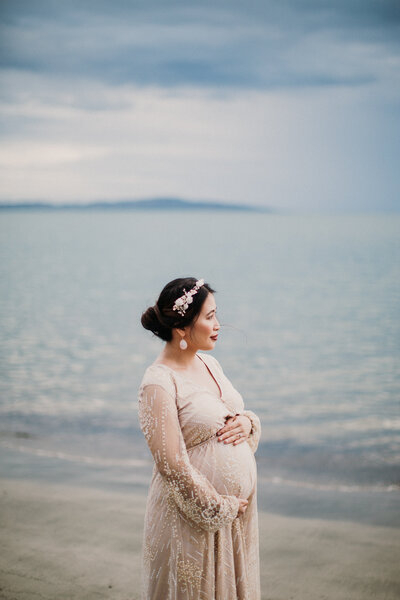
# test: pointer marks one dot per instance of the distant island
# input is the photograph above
(148, 204)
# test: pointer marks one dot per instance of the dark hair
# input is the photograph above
(161, 318)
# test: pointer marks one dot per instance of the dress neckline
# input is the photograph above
(220, 397)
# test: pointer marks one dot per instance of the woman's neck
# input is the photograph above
(183, 359)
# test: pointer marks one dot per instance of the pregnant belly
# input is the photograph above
(231, 469)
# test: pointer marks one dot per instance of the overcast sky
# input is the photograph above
(293, 104)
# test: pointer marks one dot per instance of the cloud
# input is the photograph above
(255, 45)
(43, 154)
(312, 151)
(284, 103)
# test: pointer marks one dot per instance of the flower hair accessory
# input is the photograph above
(182, 304)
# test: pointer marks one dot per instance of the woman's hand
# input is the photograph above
(235, 430)
(242, 506)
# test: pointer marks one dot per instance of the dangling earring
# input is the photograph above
(183, 344)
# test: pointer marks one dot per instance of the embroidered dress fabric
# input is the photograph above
(195, 546)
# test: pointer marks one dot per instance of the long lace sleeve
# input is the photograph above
(193, 493)
(255, 432)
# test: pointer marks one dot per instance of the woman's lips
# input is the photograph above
(214, 337)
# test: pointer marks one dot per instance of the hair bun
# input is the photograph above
(149, 319)
(151, 322)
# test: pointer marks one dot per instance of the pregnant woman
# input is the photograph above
(201, 527)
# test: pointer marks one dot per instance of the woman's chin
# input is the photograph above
(207, 346)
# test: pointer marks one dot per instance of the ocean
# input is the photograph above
(309, 311)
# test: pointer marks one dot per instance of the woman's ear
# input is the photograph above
(179, 333)
(181, 330)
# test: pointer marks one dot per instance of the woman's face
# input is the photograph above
(202, 334)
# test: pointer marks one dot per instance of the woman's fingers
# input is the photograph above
(230, 424)
(233, 434)
(235, 438)
(235, 430)
(229, 421)
(240, 440)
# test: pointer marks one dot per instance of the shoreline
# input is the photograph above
(83, 543)
(279, 493)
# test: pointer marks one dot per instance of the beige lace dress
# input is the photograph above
(195, 547)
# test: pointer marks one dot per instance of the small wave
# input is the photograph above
(131, 462)
(105, 462)
(333, 487)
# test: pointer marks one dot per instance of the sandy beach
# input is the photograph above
(85, 544)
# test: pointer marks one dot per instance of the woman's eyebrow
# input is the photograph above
(210, 311)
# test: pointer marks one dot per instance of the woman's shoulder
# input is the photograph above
(159, 374)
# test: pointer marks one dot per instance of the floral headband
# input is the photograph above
(182, 304)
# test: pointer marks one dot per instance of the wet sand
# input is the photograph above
(76, 543)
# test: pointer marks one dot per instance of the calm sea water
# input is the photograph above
(309, 308)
